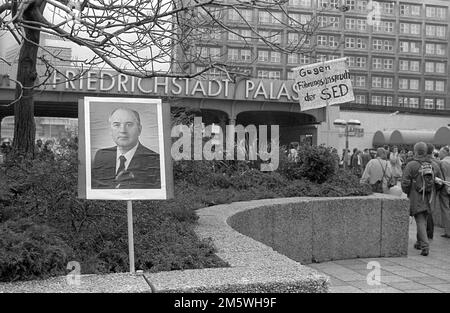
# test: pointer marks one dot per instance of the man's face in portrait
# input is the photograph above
(125, 129)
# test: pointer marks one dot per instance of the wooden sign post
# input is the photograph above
(130, 235)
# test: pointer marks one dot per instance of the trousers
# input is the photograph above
(421, 222)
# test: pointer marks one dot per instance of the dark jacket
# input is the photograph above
(418, 203)
(143, 172)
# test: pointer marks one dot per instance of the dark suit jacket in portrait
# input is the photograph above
(143, 172)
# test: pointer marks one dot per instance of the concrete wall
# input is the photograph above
(324, 229)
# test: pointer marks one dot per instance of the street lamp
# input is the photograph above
(343, 123)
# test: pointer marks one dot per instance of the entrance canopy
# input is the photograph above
(442, 136)
(381, 138)
(411, 137)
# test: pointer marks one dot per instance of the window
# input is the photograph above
(246, 55)
(361, 43)
(377, 63)
(429, 85)
(415, 29)
(329, 21)
(429, 67)
(361, 5)
(300, 3)
(388, 82)
(430, 30)
(290, 75)
(387, 101)
(436, 12)
(440, 49)
(292, 58)
(414, 103)
(428, 103)
(388, 45)
(351, 4)
(361, 25)
(409, 65)
(350, 23)
(415, 10)
(234, 15)
(441, 31)
(321, 58)
(334, 22)
(404, 46)
(275, 57)
(361, 62)
(304, 59)
(293, 38)
(414, 66)
(350, 42)
(377, 44)
(233, 36)
(376, 82)
(333, 57)
(376, 100)
(435, 48)
(360, 99)
(360, 81)
(388, 7)
(264, 17)
(404, 65)
(440, 85)
(332, 41)
(403, 83)
(440, 67)
(233, 54)
(430, 48)
(409, 10)
(414, 47)
(430, 11)
(263, 74)
(441, 13)
(215, 53)
(322, 40)
(388, 64)
(263, 56)
(388, 27)
(274, 74)
(414, 84)
(440, 104)
(435, 31)
(404, 28)
(411, 46)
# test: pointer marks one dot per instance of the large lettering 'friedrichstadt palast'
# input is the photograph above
(107, 81)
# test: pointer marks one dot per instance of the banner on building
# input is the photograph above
(321, 84)
(124, 149)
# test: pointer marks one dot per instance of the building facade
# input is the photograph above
(397, 53)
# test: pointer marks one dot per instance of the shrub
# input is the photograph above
(40, 197)
(29, 250)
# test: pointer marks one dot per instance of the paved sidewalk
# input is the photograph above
(411, 274)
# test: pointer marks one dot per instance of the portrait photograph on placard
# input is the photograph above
(123, 155)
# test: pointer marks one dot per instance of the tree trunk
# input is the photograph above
(24, 125)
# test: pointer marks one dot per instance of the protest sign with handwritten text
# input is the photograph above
(322, 84)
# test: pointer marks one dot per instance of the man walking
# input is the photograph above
(366, 158)
(378, 173)
(444, 155)
(418, 182)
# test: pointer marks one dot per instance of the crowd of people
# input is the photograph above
(422, 174)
